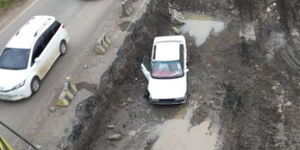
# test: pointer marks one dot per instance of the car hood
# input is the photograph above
(167, 88)
(11, 78)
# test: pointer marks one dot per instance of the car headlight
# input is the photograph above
(18, 86)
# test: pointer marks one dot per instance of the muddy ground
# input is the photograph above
(245, 79)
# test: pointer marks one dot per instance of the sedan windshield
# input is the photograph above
(166, 69)
(14, 59)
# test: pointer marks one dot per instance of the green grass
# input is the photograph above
(5, 3)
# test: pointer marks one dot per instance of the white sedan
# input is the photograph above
(167, 70)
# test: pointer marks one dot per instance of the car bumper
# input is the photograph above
(168, 101)
(15, 95)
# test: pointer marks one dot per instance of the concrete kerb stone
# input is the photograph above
(68, 94)
(103, 45)
(176, 17)
(127, 8)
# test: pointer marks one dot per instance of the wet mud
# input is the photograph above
(243, 82)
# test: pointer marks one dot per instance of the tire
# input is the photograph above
(35, 85)
(63, 47)
(146, 95)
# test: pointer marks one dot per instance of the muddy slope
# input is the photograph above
(249, 75)
(119, 79)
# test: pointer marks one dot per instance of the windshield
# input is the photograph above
(14, 59)
(166, 69)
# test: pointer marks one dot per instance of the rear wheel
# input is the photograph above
(35, 85)
(63, 47)
(146, 94)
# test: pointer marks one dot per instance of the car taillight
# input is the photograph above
(63, 26)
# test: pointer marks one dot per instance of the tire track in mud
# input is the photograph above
(288, 18)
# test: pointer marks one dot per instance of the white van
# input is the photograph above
(166, 71)
(29, 55)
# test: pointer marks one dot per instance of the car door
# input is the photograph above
(40, 56)
(145, 66)
(55, 39)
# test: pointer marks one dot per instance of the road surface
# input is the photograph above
(84, 20)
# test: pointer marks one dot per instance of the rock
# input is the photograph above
(52, 109)
(114, 137)
(85, 66)
(111, 126)
(132, 133)
(79, 106)
(67, 130)
(176, 30)
(288, 103)
(123, 104)
(130, 100)
(63, 145)
(176, 17)
(38, 146)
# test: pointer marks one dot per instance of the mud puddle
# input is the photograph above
(179, 133)
(201, 27)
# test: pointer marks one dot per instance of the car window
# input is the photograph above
(166, 69)
(38, 48)
(44, 40)
(154, 52)
(53, 28)
(182, 55)
(14, 59)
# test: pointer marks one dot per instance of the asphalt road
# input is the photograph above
(82, 18)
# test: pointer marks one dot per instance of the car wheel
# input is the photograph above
(63, 48)
(146, 94)
(35, 85)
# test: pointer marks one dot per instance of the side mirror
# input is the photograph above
(186, 70)
(37, 60)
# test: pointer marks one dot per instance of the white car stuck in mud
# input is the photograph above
(167, 70)
(29, 55)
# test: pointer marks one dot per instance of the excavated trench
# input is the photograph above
(243, 82)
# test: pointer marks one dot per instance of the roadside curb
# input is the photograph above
(103, 45)
(68, 94)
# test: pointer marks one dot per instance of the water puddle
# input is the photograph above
(201, 26)
(179, 134)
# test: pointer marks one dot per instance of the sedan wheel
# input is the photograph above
(35, 85)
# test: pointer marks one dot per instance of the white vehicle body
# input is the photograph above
(166, 71)
(34, 49)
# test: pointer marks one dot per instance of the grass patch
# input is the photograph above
(5, 3)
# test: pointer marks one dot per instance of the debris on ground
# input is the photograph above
(114, 137)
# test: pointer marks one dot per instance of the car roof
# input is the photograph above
(167, 51)
(168, 47)
(29, 32)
